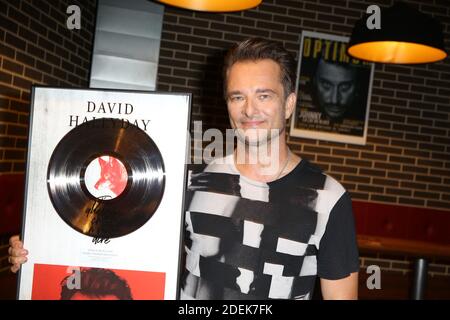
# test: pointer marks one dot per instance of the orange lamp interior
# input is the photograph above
(213, 5)
(396, 52)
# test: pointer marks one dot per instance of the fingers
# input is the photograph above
(15, 242)
(17, 255)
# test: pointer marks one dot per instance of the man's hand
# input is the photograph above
(342, 289)
(17, 254)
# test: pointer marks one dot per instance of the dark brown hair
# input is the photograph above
(253, 49)
(97, 283)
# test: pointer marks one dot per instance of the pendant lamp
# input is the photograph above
(405, 36)
(213, 5)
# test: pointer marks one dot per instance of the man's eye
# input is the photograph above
(263, 97)
(236, 98)
(325, 85)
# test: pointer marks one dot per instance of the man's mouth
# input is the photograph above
(252, 123)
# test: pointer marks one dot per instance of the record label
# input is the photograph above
(106, 177)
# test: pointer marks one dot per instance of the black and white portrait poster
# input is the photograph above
(105, 182)
(333, 91)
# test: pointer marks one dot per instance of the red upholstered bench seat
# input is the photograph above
(402, 222)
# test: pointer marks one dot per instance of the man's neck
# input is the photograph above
(265, 163)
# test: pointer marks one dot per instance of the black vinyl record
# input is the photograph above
(128, 150)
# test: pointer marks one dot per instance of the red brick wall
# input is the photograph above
(37, 48)
(407, 157)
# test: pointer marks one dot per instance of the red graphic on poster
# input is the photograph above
(106, 177)
(56, 282)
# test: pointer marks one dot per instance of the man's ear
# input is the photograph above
(290, 104)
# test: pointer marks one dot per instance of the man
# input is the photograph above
(334, 89)
(97, 284)
(263, 223)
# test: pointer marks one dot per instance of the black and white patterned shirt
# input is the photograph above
(252, 240)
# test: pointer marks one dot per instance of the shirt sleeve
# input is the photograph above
(338, 250)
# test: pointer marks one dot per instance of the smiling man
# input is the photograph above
(254, 233)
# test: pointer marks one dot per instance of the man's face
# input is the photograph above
(256, 101)
(335, 88)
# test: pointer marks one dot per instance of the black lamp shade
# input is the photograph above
(406, 36)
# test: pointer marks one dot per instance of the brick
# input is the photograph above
(271, 26)
(194, 22)
(401, 159)
(208, 33)
(419, 121)
(374, 156)
(352, 178)
(224, 27)
(417, 137)
(5, 77)
(401, 176)
(253, 15)
(387, 166)
(358, 163)
(359, 195)
(15, 41)
(345, 153)
(398, 192)
(416, 153)
(370, 188)
(16, 130)
(272, 8)
(382, 198)
(14, 154)
(386, 182)
(408, 95)
(404, 127)
(427, 195)
(317, 8)
(43, 66)
(321, 150)
(391, 134)
(5, 166)
(22, 83)
(372, 172)
(428, 179)
(6, 141)
(421, 105)
(344, 169)
(7, 116)
(438, 204)
(18, 167)
(20, 106)
(440, 172)
(436, 99)
(411, 201)
(415, 169)
(25, 58)
(327, 159)
(9, 91)
(44, 43)
(255, 32)
(8, 24)
(431, 147)
(35, 51)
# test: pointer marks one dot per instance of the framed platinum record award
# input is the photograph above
(105, 182)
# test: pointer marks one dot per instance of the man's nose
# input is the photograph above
(335, 95)
(250, 108)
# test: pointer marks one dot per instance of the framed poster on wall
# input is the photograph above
(333, 91)
(105, 182)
